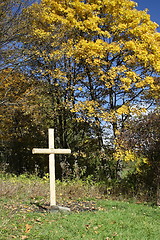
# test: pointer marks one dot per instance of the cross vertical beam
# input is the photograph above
(52, 168)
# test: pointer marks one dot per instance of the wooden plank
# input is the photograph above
(52, 168)
(52, 179)
(50, 151)
(51, 138)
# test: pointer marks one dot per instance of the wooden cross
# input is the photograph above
(51, 151)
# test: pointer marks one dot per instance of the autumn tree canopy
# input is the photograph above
(105, 53)
(12, 27)
(140, 142)
(98, 62)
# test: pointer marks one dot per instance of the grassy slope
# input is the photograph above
(112, 219)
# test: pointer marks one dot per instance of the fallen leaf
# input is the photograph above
(87, 226)
(115, 234)
(24, 237)
(28, 228)
(113, 222)
(95, 228)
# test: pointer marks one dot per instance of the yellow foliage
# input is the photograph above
(54, 19)
(117, 43)
(138, 110)
(88, 107)
(19, 95)
(127, 155)
(124, 109)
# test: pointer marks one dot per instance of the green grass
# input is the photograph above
(111, 220)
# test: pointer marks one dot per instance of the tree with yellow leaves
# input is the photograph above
(27, 105)
(101, 55)
(106, 50)
(12, 27)
(23, 120)
(140, 142)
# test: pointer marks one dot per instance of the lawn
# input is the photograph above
(25, 215)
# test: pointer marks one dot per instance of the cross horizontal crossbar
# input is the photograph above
(50, 151)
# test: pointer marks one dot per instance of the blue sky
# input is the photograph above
(154, 9)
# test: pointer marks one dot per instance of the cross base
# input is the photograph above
(55, 208)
